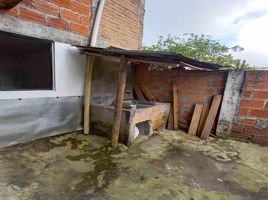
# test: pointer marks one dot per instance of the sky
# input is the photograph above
(232, 22)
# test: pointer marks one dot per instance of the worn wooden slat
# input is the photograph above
(211, 116)
(147, 93)
(119, 100)
(170, 125)
(87, 93)
(175, 104)
(203, 118)
(138, 92)
(195, 119)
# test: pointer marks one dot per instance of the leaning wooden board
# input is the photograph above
(175, 104)
(138, 92)
(195, 119)
(147, 94)
(203, 118)
(211, 116)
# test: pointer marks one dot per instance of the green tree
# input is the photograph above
(200, 47)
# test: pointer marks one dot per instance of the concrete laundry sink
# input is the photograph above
(146, 116)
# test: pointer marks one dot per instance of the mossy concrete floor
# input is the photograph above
(171, 165)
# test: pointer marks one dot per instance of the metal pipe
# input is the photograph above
(96, 25)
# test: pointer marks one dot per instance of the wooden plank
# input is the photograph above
(203, 118)
(138, 92)
(175, 104)
(119, 100)
(195, 119)
(147, 94)
(87, 93)
(211, 116)
(170, 125)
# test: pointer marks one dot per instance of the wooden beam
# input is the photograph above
(119, 100)
(211, 116)
(195, 119)
(147, 94)
(87, 93)
(175, 104)
(138, 92)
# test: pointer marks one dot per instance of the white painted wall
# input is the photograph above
(69, 75)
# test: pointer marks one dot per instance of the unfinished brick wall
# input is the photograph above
(251, 119)
(66, 15)
(193, 86)
(121, 23)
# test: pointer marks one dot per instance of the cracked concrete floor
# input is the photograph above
(171, 165)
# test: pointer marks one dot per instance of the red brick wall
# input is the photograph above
(251, 119)
(193, 86)
(69, 15)
(121, 23)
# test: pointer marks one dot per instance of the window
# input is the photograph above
(25, 63)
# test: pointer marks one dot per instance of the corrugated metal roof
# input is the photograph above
(149, 56)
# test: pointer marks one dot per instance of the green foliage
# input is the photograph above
(200, 47)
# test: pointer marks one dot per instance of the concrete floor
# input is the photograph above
(171, 165)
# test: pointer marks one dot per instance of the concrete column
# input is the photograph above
(229, 102)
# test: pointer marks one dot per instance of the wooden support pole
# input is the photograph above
(175, 104)
(119, 100)
(87, 92)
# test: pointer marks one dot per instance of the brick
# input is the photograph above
(86, 2)
(195, 97)
(243, 111)
(85, 20)
(27, 3)
(256, 85)
(248, 122)
(252, 103)
(255, 131)
(256, 75)
(80, 29)
(58, 23)
(260, 95)
(266, 106)
(69, 15)
(32, 15)
(63, 3)
(246, 94)
(46, 7)
(237, 128)
(217, 83)
(206, 90)
(79, 7)
(259, 113)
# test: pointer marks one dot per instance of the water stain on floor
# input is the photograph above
(171, 165)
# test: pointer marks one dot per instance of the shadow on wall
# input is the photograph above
(105, 78)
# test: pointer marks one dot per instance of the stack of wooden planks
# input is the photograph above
(204, 117)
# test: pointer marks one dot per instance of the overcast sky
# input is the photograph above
(232, 22)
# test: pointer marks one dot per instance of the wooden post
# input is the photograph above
(119, 100)
(175, 104)
(87, 92)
